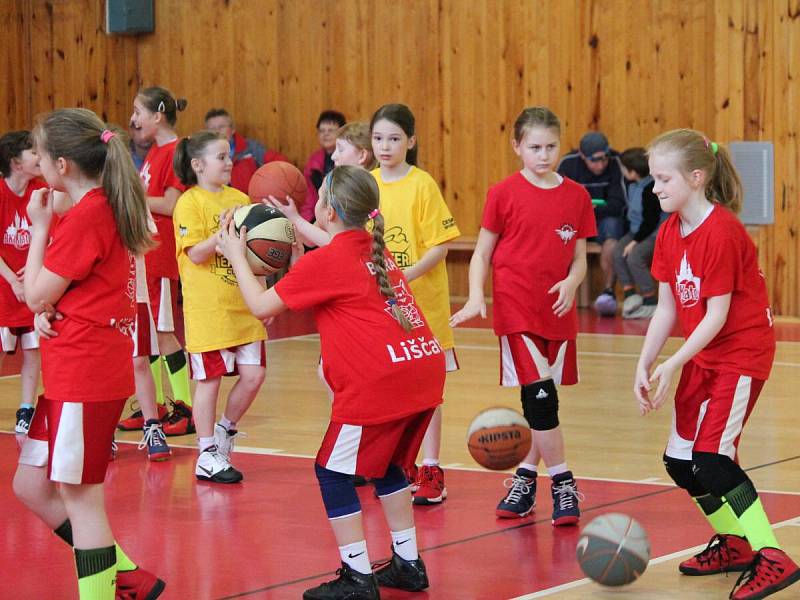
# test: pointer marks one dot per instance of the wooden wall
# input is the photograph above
(630, 68)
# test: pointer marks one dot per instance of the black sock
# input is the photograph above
(175, 361)
(710, 504)
(650, 301)
(96, 560)
(64, 531)
(629, 292)
(742, 497)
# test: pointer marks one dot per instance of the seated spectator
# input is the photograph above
(320, 163)
(633, 254)
(596, 166)
(247, 154)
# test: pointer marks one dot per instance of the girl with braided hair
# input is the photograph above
(385, 367)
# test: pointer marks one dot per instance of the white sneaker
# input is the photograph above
(631, 303)
(213, 466)
(645, 311)
(224, 439)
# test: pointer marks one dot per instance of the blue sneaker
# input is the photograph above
(521, 496)
(565, 500)
(155, 441)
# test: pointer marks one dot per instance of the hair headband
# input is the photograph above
(713, 146)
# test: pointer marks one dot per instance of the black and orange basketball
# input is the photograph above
(613, 550)
(270, 236)
(499, 438)
(279, 179)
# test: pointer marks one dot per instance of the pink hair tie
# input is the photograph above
(374, 213)
(106, 136)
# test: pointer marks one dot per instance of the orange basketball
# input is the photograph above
(499, 438)
(279, 179)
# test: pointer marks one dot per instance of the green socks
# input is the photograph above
(719, 514)
(746, 504)
(155, 368)
(97, 570)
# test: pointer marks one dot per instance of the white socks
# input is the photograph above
(404, 543)
(356, 557)
(528, 467)
(557, 470)
(227, 423)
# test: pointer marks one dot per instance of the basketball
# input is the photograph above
(613, 550)
(499, 438)
(270, 236)
(279, 179)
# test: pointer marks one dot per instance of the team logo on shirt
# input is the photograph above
(394, 236)
(413, 348)
(18, 234)
(687, 285)
(145, 175)
(566, 232)
(223, 269)
(405, 301)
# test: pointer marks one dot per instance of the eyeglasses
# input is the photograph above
(596, 159)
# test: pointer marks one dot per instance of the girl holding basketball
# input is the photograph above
(365, 316)
(710, 282)
(533, 234)
(154, 116)
(87, 275)
(222, 336)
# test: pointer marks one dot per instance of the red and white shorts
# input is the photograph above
(145, 337)
(711, 408)
(218, 363)
(72, 438)
(25, 336)
(163, 301)
(450, 360)
(526, 358)
(368, 450)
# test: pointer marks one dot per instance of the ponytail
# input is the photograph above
(725, 185)
(379, 264)
(160, 100)
(190, 148)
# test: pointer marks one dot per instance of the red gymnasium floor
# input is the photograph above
(269, 538)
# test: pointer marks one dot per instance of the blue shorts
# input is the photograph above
(609, 228)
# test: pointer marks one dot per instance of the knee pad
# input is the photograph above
(338, 493)
(540, 405)
(681, 473)
(394, 481)
(717, 473)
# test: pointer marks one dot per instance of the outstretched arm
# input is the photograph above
(478, 271)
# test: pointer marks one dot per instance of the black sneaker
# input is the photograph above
(409, 575)
(565, 500)
(213, 466)
(350, 585)
(24, 417)
(521, 496)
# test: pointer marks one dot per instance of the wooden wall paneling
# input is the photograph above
(14, 44)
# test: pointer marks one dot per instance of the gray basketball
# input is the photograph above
(613, 550)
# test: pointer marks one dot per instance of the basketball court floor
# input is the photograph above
(269, 538)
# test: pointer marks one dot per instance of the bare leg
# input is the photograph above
(398, 510)
(40, 495)
(29, 375)
(145, 387)
(167, 343)
(86, 508)
(349, 530)
(205, 406)
(432, 442)
(251, 377)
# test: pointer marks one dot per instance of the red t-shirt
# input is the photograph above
(378, 372)
(16, 231)
(157, 175)
(538, 231)
(96, 334)
(715, 259)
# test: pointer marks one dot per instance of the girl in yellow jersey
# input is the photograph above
(418, 223)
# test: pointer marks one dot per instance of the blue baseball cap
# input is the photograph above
(594, 142)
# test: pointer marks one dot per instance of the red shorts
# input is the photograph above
(526, 358)
(218, 363)
(711, 409)
(72, 438)
(25, 336)
(145, 338)
(368, 450)
(163, 294)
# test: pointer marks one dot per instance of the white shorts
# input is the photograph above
(27, 338)
(450, 360)
(218, 363)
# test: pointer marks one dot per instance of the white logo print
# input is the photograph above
(145, 175)
(541, 395)
(566, 232)
(18, 234)
(687, 286)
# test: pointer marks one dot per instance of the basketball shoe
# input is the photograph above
(213, 466)
(179, 421)
(350, 584)
(411, 476)
(24, 417)
(138, 585)
(113, 454)
(724, 553)
(408, 575)
(565, 499)
(224, 439)
(155, 441)
(771, 571)
(521, 496)
(136, 420)
(430, 485)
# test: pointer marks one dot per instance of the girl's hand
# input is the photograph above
(471, 309)
(41, 322)
(566, 296)
(628, 248)
(663, 375)
(40, 208)
(226, 216)
(18, 287)
(641, 389)
(297, 251)
(231, 244)
(289, 208)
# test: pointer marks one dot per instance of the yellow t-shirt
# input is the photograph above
(214, 312)
(416, 220)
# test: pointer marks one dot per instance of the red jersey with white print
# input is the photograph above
(715, 259)
(157, 175)
(538, 229)
(16, 230)
(377, 370)
(90, 358)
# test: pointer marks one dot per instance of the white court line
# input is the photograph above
(793, 522)
(9, 376)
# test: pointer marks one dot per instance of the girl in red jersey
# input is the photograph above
(154, 116)
(709, 280)
(534, 229)
(19, 165)
(87, 274)
(373, 338)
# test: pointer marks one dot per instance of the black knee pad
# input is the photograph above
(681, 473)
(717, 473)
(540, 405)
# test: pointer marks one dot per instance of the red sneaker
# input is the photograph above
(430, 485)
(724, 553)
(179, 421)
(138, 585)
(770, 571)
(411, 474)
(136, 420)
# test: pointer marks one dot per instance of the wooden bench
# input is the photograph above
(466, 245)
